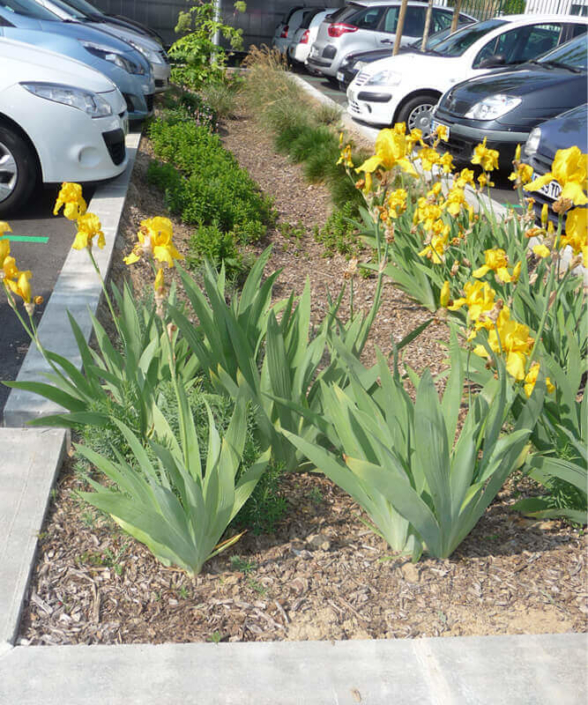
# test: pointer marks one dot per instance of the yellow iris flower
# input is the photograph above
(541, 251)
(455, 201)
(70, 196)
(4, 228)
(429, 157)
(531, 380)
(4, 251)
(570, 170)
(155, 239)
(89, 227)
(345, 157)
(21, 286)
(446, 162)
(445, 295)
(496, 261)
(479, 298)
(486, 158)
(427, 214)
(513, 341)
(436, 250)
(466, 176)
(576, 235)
(397, 202)
(392, 149)
(523, 174)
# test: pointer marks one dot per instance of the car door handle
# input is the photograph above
(386, 41)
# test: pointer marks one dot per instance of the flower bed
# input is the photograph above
(291, 607)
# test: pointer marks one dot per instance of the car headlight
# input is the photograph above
(532, 143)
(91, 103)
(106, 53)
(152, 56)
(359, 65)
(493, 107)
(385, 77)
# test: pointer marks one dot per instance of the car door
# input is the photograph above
(367, 22)
(414, 25)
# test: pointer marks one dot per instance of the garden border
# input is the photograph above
(542, 669)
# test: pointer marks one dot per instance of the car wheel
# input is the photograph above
(18, 169)
(333, 81)
(416, 112)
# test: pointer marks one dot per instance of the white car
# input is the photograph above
(299, 47)
(287, 28)
(406, 87)
(60, 120)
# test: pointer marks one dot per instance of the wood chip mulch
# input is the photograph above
(323, 574)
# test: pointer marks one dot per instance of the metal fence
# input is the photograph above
(262, 16)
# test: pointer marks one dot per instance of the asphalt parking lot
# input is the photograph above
(40, 242)
(503, 191)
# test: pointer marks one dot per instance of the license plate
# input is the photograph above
(435, 124)
(552, 190)
(340, 75)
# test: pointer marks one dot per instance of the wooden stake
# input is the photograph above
(456, 10)
(427, 25)
(399, 27)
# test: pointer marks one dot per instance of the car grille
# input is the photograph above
(354, 107)
(164, 56)
(159, 83)
(149, 101)
(361, 78)
(115, 143)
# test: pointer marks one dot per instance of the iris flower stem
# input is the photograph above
(31, 331)
(105, 291)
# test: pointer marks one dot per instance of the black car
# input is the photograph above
(506, 105)
(564, 131)
(353, 63)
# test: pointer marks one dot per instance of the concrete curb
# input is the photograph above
(31, 459)
(78, 290)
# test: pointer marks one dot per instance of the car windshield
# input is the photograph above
(71, 11)
(28, 8)
(573, 54)
(85, 7)
(459, 42)
(432, 41)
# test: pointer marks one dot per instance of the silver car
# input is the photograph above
(363, 26)
(305, 35)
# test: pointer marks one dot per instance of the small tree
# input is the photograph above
(198, 58)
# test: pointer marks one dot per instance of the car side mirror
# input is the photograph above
(493, 61)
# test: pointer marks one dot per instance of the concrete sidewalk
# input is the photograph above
(518, 670)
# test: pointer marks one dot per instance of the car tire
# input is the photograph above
(18, 169)
(333, 81)
(416, 112)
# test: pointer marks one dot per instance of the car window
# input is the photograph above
(524, 43)
(441, 20)
(367, 18)
(414, 21)
(459, 42)
(29, 8)
(344, 13)
(309, 16)
(575, 30)
(570, 54)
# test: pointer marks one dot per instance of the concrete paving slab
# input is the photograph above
(78, 290)
(30, 459)
(521, 670)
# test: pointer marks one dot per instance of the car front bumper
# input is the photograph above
(71, 145)
(463, 139)
(375, 107)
